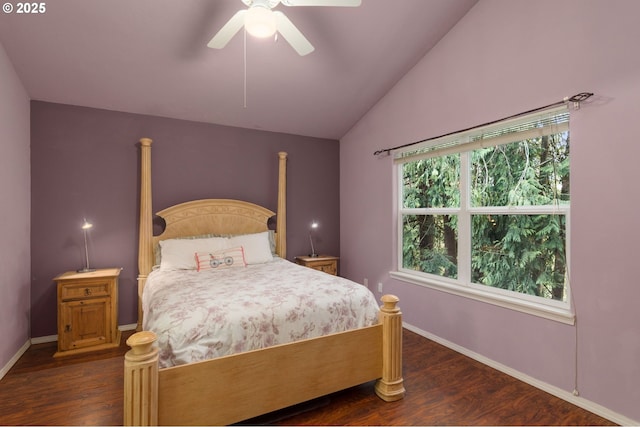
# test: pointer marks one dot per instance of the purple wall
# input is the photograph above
(85, 163)
(14, 227)
(502, 58)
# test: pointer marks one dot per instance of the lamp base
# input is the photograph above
(85, 270)
(313, 255)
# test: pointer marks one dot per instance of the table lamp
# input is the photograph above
(86, 225)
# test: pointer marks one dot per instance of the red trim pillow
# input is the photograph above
(221, 259)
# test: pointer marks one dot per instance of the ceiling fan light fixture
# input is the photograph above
(260, 21)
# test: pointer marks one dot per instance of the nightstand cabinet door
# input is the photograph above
(85, 323)
(87, 311)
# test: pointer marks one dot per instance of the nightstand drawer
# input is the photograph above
(325, 263)
(84, 290)
(328, 267)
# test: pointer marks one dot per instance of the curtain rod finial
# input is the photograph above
(578, 98)
(382, 153)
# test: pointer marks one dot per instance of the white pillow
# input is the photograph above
(257, 249)
(179, 254)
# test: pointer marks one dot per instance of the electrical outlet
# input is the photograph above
(365, 282)
(380, 287)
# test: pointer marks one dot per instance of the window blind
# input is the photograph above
(530, 126)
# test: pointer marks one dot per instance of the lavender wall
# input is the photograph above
(504, 57)
(14, 194)
(85, 163)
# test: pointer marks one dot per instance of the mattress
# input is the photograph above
(212, 313)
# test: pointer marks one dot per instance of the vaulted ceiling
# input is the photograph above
(150, 57)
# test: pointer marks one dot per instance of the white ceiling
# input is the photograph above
(150, 57)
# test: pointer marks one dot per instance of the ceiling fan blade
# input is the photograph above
(292, 34)
(229, 30)
(343, 3)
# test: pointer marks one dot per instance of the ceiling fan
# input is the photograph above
(260, 20)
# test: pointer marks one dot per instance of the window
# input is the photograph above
(485, 214)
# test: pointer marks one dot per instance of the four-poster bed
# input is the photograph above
(239, 386)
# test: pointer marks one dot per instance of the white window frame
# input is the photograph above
(560, 311)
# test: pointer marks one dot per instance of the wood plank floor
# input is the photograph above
(443, 388)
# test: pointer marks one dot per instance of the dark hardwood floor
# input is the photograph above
(443, 388)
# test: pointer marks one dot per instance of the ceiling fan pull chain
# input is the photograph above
(245, 69)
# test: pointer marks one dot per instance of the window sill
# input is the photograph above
(558, 314)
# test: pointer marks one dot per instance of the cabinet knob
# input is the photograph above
(67, 328)
(87, 291)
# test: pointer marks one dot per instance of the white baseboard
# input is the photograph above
(42, 340)
(45, 339)
(551, 389)
(14, 359)
(52, 338)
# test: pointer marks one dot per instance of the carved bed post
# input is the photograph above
(141, 381)
(281, 215)
(145, 242)
(391, 386)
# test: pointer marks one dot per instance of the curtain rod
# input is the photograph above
(576, 99)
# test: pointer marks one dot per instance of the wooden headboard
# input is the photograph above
(213, 216)
(200, 217)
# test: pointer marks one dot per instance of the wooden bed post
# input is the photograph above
(145, 241)
(391, 386)
(281, 215)
(141, 381)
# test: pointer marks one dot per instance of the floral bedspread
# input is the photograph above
(202, 315)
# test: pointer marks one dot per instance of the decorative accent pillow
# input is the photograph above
(257, 249)
(177, 254)
(218, 260)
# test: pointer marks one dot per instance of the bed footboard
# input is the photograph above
(234, 388)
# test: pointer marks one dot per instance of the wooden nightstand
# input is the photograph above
(326, 263)
(87, 311)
